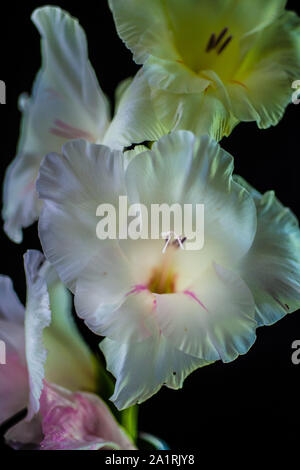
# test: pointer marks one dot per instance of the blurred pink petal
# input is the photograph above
(78, 421)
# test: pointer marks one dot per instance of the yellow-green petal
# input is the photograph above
(261, 88)
(142, 26)
(201, 113)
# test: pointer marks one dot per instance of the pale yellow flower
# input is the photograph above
(213, 63)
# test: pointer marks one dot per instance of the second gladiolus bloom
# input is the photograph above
(210, 64)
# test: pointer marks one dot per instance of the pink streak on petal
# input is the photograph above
(137, 289)
(52, 93)
(63, 125)
(29, 187)
(142, 288)
(68, 132)
(194, 297)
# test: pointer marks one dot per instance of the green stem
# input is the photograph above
(129, 420)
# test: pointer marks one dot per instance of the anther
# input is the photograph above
(221, 35)
(178, 242)
(211, 43)
(215, 41)
(228, 40)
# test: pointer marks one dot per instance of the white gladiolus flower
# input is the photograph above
(66, 103)
(166, 312)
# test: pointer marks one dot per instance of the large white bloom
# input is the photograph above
(164, 314)
(66, 103)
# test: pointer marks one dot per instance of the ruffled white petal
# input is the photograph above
(135, 120)
(141, 369)
(105, 298)
(213, 319)
(272, 266)
(184, 169)
(72, 186)
(37, 317)
(68, 70)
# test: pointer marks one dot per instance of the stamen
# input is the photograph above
(211, 43)
(179, 242)
(228, 40)
(221, 35)
(167, 240)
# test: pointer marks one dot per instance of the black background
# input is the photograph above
(253, 401)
